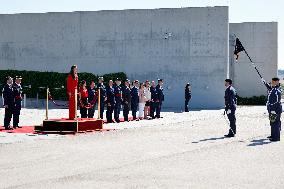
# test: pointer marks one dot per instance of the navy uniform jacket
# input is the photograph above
(160, 93)
(126, 95)
(8, 96)
(134, 95)
(110, 95)
(230, 98)
(18, 96)
(274, 100)
(102, 89)
(187, 94)
(118, 94)
(154, 94)
(91, 95)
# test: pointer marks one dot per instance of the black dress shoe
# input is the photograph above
(229, 135)
(274, 140)
(269, 137)
(117, 121)
(19, 127)
(8, 128)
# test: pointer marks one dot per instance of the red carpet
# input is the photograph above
(30, 129)
(24, 129)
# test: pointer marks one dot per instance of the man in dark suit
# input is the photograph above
(102, 89)
(230, 106)
(274, 108)
(92, 99)
(126, 99)
(135, 99)
(154, 100)
(110, 101)
(8, 96)
(17, 89)
(118, 99)
(160, 92)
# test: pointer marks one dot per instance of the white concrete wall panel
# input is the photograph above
(131, 41)
(260, 41)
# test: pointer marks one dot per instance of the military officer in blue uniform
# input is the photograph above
(118, 99)
(230, 106)
(102, 89)
(274, 108)
(187, 95)
(126, 99)
(110, 101)
(160, 92)
(154, 100)
(17, 89)
(8, 97)
(135, 99)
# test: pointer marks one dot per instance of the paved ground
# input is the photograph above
(182, 150)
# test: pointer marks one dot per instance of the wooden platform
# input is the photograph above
(65, 125)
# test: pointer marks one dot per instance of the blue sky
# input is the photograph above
(240, 10)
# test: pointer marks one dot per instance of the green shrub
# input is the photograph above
(255, 100)
(34, 80)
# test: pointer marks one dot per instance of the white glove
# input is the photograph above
(273, 112)
(229, 111)
(263, 81)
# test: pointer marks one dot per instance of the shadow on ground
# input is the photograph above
(209, 139)
(259, 142)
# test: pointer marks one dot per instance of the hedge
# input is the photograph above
(255, 100)
(34, 80)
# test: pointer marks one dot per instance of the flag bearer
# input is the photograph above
(274, 108)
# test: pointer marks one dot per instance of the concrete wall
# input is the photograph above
(131, 41)
(260, 41)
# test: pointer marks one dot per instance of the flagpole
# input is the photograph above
(253, 64)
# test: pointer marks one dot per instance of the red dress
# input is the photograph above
(72, 84)
(84, 97)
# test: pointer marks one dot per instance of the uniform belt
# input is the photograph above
(118, 95)
(18, 97)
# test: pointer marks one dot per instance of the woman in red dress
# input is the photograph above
(72, 84)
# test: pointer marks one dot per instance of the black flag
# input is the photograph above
(238, 48)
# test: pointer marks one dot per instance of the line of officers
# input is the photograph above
(12, 96)
(135, 96)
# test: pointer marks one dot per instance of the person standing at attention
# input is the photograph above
(110, 101)
(72, 84)
(187, 94)
(148, 100)
(230, 106)
(92, 98)
(8, 98)
(142, 100)
(83, 99)
(135, 99)
(126, 99)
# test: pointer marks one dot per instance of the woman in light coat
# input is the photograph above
(142, 100)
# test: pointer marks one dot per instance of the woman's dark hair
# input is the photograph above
(141, 84)
(72, 71)
(82, 83)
